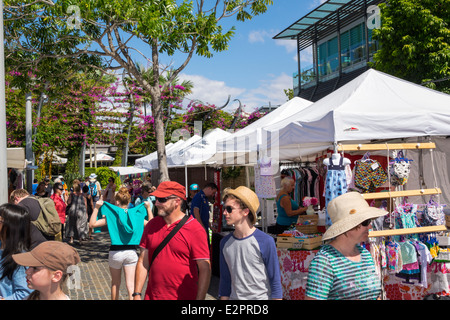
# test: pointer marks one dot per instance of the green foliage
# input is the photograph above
(231, 172)
(106, 35)
(104, 173)
(415, 41)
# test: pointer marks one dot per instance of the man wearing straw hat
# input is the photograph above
(343, 269)
(249, 267)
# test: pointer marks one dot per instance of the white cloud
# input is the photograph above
(306, 58)
(289, 45)
(269, 91)
(258, 36)
(316, 3)
(216, 92)
(210, 91)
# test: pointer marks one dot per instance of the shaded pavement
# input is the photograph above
(95, 278)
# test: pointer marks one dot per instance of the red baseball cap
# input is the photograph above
(169, 188)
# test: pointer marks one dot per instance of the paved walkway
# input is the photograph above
(95, 275)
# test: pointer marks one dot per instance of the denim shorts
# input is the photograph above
(122, 258)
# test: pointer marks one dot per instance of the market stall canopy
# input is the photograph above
(150, 161)
(197, 152)
(100, 157)
(124, 171)
(15, 158)
(145, 161)
(372, 106)
(245, 141)
(55, 159)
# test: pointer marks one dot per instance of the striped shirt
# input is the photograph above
(334, 277)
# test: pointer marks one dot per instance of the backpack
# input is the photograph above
(93, 188)
(48, 221)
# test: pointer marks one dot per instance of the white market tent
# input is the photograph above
(373, 106)
(100, 157)
(145, 161)
(15, 158)
(124, 171)
(197, 152)
(150, 161)
(234, 148)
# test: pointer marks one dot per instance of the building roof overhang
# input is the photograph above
(324, 20)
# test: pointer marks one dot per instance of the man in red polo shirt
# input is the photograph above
(182, 270)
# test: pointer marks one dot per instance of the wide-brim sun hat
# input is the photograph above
(348, 211)
(247, 196)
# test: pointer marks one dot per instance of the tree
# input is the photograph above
(415, 41)
(164, 27)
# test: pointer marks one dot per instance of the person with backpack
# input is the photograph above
(95, 188)
(22, 198)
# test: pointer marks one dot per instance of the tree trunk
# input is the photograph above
(160, 141)
(158, 115)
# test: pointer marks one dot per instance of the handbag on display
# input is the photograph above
(400, 169)
(433, 214)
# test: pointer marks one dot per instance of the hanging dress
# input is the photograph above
(335, 185)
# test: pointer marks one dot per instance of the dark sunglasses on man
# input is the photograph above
(163, 200)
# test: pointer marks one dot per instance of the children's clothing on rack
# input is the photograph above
(408, 259)
(369, 174)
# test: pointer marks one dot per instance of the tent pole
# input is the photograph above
(186, 180)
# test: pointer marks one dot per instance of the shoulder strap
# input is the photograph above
(169, 236)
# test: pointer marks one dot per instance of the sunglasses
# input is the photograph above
(366, 222)
(230, 209)
(163, 200)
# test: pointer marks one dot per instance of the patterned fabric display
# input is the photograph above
(400, 169)
(433, 215)
(369, 175)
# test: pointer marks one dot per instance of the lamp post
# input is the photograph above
(3, 145)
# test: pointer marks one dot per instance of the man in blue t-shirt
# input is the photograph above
(200, 205)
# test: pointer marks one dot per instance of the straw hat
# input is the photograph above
(348, 211)
(247, 196)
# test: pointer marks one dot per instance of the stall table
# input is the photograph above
(294, 275)
(294, 271)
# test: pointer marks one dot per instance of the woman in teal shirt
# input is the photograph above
(288, 210)
(125, 227)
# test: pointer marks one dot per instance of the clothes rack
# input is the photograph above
(396, 194)
(386, 146)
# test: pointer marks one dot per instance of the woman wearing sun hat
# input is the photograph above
(343, 269)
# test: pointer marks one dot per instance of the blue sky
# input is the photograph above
(256, 68)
